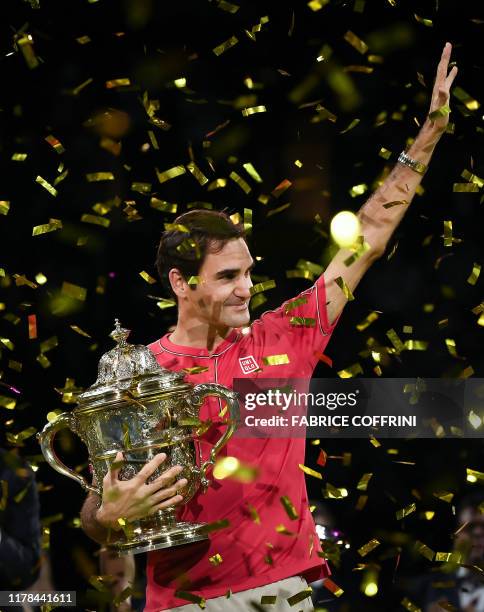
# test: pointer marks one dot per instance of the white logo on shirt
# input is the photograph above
(248, 364)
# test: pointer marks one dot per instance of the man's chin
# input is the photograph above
(239, 319)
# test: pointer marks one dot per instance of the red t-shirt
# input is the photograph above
(253, 553)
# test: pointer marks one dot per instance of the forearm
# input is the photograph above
(91, 526)
(377, 222)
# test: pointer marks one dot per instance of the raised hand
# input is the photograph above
(439, 105)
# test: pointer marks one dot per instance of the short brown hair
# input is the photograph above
(208, 232)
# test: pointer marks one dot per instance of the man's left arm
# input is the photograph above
(379, 222)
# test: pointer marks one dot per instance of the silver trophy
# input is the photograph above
(141, 409)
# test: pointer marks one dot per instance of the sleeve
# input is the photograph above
(302, 323)
(20, 533)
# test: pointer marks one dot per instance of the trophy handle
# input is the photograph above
(46, 440)
(212, 389)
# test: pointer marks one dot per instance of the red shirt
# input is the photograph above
(253, 554)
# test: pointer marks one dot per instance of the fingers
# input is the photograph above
(165, 479)
(167, 503)
(168, 492)
(450, 79)
(117, 464)
(150, 468)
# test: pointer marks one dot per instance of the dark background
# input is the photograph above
(153, 43)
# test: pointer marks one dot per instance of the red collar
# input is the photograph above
(191, 351)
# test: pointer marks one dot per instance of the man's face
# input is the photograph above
(471, 538)
(222, 295)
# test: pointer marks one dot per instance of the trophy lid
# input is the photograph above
(130, 367)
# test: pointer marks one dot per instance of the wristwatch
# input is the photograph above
(415, 165)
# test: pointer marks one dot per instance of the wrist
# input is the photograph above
(105, 520)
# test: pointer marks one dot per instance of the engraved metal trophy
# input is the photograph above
(142, 409)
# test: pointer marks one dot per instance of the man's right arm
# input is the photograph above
(91, 525)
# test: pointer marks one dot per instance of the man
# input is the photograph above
(207, 264)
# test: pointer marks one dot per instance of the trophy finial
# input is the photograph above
(119, 334)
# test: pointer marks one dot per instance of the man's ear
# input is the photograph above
(178, 283)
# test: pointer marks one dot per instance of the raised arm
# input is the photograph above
(377, 222)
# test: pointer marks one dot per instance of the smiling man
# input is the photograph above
(205, 263)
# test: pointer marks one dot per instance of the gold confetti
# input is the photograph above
(363, 482)
(165, 303)
(277, 210)
(46, 185)
(253, 110)
(359, 252)
(274, 360)
(219, 183)
(395, 340)
(415, 345)
(26, 46)
(227, 6)
(368, 547)
(55, 144)
(475, 420)
(289, 508)
(444, 496)
(79, 331)
(351, 371)
(473, 178)
(144, 188)
(244, 185)
(163, 205)
(298, 597)
(294, 304)
(52, 226)
(344, 288)
(352, 125)
(356, 42)
(476, 270)
(172, 173)
(123, 82)
(252, 172)
(146, 277)
(49, 344)
(409, 605)
(216, 559)
(443, 111)
(95, 220)
(7, 402)
(332, 587)
(395, 203)
(95, 177)
(196, 370)
(448, 557)
(465, 98)
(400, 514)
(283, 530)
(357, 190)
(74, 291)
(302, 321)
(197, 173)
(317, 5)
(426, 22)
(385, 153)
(196, 599)
(228, 44)
(310, 472)
(4, 207)
(264, 286)
(19, 156)
(374, 442)
(281, 188)
(424, 550)
(254, 515)
(465, 188)
(268, 600)
(373, 316)
(358, 68)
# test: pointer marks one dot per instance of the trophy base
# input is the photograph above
(177, 535)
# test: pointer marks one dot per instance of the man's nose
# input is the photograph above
(243, 288)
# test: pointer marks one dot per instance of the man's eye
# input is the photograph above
(229, 276)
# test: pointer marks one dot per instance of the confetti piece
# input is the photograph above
(26, 46)
(254, 515)
(374, 442)
(228, 44)
(465, 98)
(473, 178)
(252, 172)
(302, 321)
(444, 496)
(196, 599)
(474, 419)
(113, 83)
(197, 173)
(368, 547)
(361, 503)
(352, 125)
(143, 188)
(49, 344)
(289, 508)
(317, 5)
(443, 111)
(310, 472)
(298, 597)
(163, 206)
(274, 360)
(400, 514)
(52, 226)
(74, 291)
(332, 587)
(216, 559)
(244, 185)
(195, 370)
(146, 277)
(283, 530)
(385, 153)
(264, 286)
(55, 144)
(253, 110)
(321, 460)
(294, 304)
(465, 188)
(7, 402)
(359, 252)
(165, 303)
(409, 605)
(476, 270)
(357, 190)
(424, 550)
(46, 185)
(356, 42)
(281, 188)
(95, 220)
(4, 207)
(426, 22)
(363, 482)
(351, 371)
(448, 557)
(395, 203)
(477, 476)
(373, 316)
(344, 288)
(227, 6)
(172, 173)
(415, 345)
(268, 600)
(79, 331)
(95, 177)
(395, 340)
